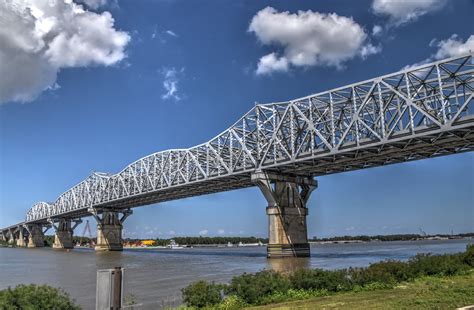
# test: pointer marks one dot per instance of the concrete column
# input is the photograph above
(36, 236)
(64, 231)
(287, 197)
(20, 242)
(109, 228)
(11, 236)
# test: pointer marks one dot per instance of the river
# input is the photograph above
(155, 276)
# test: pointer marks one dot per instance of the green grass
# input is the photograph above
(424, 293)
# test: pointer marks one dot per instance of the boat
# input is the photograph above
(174, 245)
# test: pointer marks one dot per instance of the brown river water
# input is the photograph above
(156, 276)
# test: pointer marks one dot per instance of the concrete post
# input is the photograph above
(20, 242)
(109, 228)
(64, 230)
(287, 197)
(36, 236)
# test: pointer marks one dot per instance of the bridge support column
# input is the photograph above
(109, 228)
(11, 236)
(20, 242)
(35, 235)
(287, 197)
(64, 231)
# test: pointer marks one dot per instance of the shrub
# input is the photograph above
(202, 294)
(388, 272)
(318, 279)
(251, 288)
(468, 256)
(429, 265)
(232, 302)
(36, 297)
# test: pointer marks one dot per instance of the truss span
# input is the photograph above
(412, 114)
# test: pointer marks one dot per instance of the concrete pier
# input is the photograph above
(20, 242)
(109, 228)
(287, 197)
(35, 236)
(64, 231)
(11, 236)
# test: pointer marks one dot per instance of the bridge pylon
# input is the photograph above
(35, 235)
(287, 198)
(64, 231)
(20, 242)
(109, 228)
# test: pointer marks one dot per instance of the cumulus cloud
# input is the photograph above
(94, 4)
(203, 232)
(308, 38)
(220, 231)
(454, 46)
(39, 38)
(402, 12)
(451, 47)
(171, 82)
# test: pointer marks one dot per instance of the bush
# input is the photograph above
(232, 302)
(36, 297)
(389, 272)
(443, 265)
(202, 294)
(468, 256)
(318, 279)
(251, 288)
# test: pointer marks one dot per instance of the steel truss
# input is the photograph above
(412, 114)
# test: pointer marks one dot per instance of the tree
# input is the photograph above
(34, 296)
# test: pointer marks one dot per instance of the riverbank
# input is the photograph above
(424, 293)
(270, 287)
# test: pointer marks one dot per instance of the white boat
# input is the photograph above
(174, 245)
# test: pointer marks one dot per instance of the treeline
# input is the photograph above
(397, 237)
(269, 286)
(204, 240)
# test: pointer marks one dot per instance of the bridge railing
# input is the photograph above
(436, 96)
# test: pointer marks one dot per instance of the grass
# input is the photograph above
(424, 293)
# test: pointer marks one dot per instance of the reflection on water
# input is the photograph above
(155, 276)
(287, 264)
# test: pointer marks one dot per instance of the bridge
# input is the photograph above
(280, 147)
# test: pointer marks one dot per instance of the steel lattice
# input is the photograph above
(412, 114)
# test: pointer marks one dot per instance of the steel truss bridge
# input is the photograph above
(413, 114)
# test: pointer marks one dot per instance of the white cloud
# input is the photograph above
(368, 50)
(454, 46)
(203, 232)
(377, 30)
(39, 38)
(308, 38)
(171, 33)
(171, 233)
(171, 82)
(451, 47)
(405, 11)
(93, 4)
(220, 231)
(270, 63)
(350, 228)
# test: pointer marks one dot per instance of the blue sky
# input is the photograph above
(121, 80)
